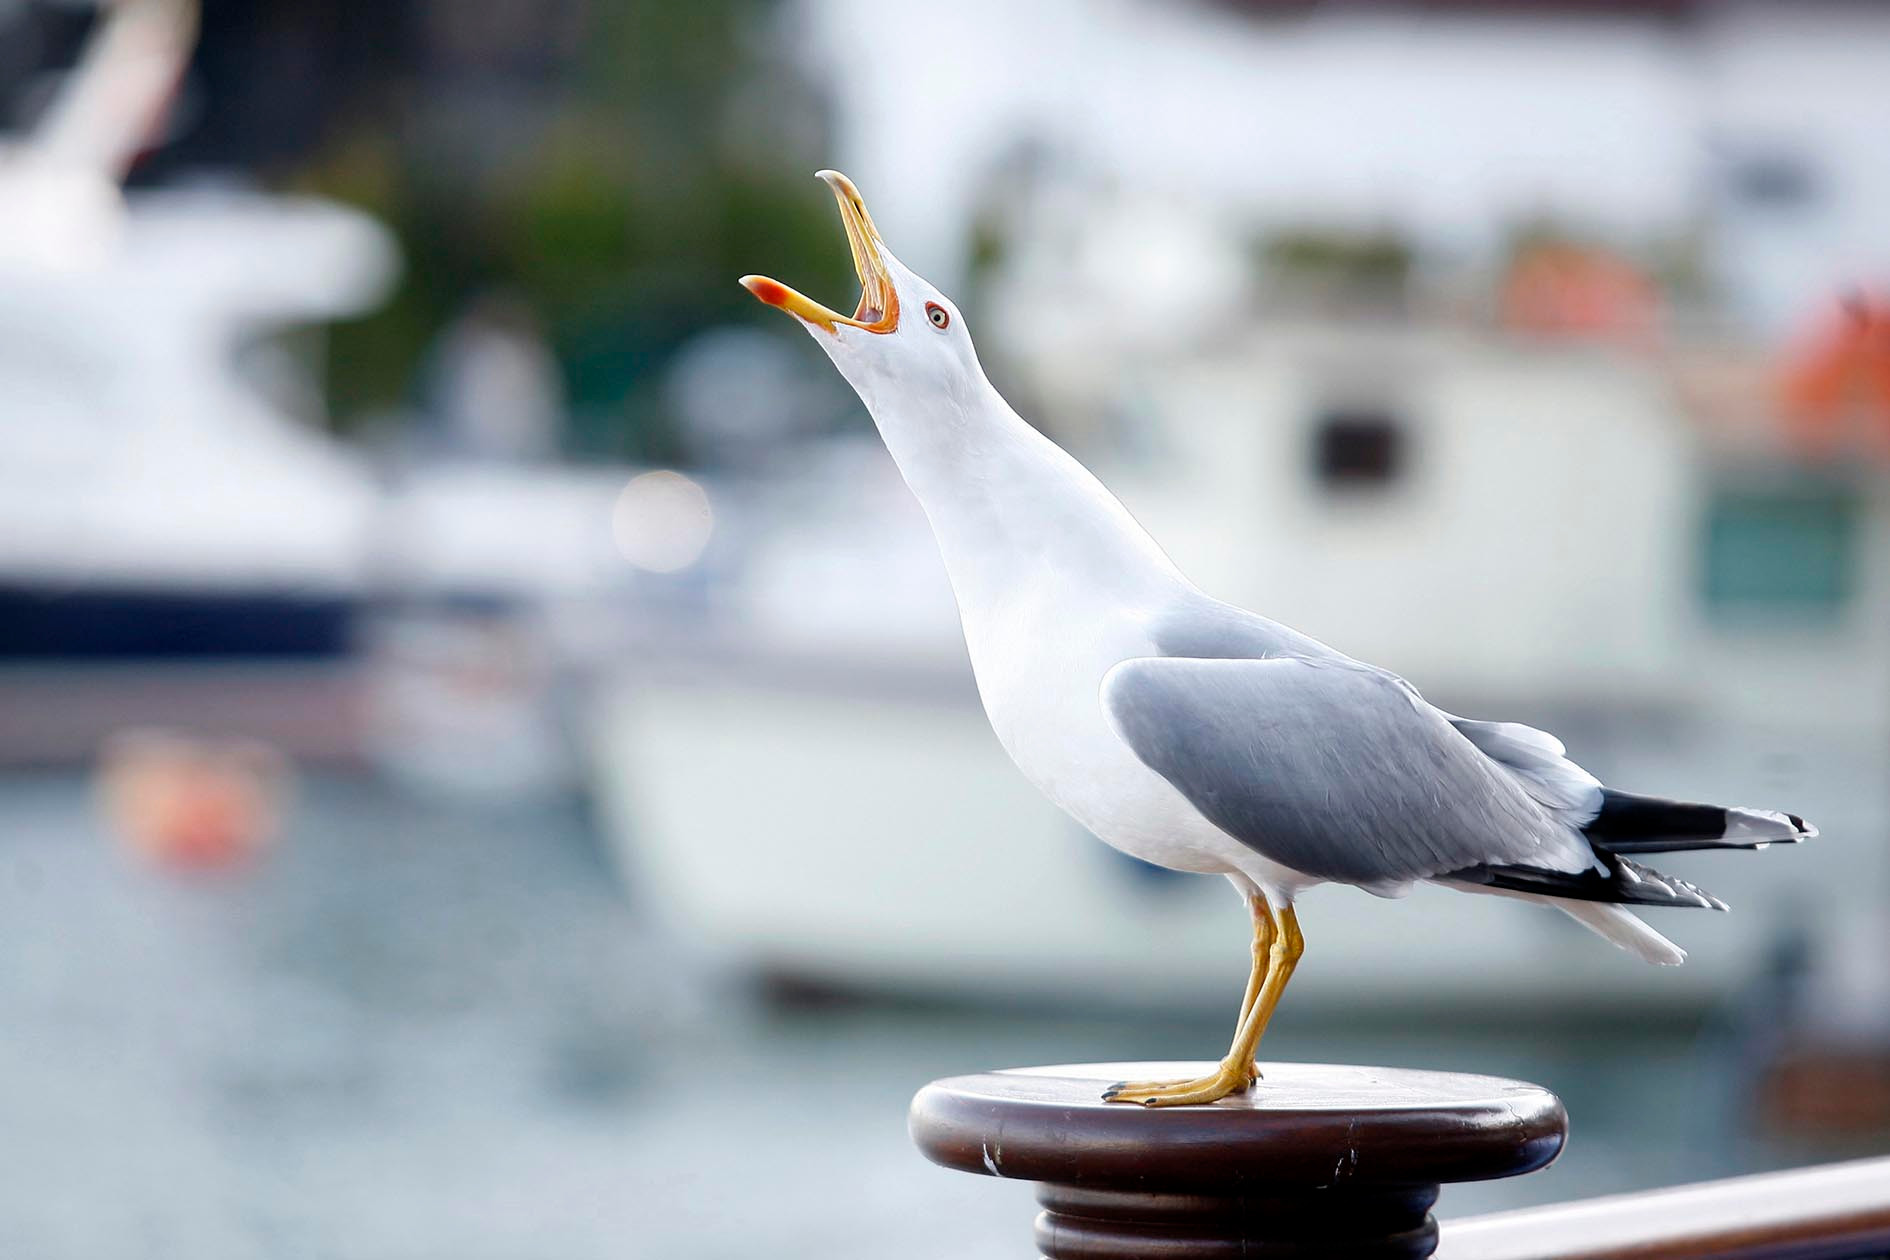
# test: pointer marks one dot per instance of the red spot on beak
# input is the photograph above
(768, 291)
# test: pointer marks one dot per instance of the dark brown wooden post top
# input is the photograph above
(1314, 1159)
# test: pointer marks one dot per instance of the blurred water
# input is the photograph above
(418, 1030)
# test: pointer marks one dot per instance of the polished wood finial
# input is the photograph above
(1313, 1160)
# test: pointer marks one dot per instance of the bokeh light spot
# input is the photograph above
(662, 521)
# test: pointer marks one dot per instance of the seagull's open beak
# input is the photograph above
(878, 311)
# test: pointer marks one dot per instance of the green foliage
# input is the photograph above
(621, 211)
(1351, 258)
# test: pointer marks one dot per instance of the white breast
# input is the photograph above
(1056, 584)
(1041, 685)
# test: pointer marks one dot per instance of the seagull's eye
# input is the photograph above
(940, 317)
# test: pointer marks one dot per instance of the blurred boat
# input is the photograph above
(181, 541)
(158, 501)
(155, 499)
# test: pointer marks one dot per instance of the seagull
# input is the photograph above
(1199, 736)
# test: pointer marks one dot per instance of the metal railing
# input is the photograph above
(1832, 1212)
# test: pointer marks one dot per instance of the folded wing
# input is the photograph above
(1333, 769)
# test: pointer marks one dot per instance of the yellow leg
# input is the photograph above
(1263, 935)
(1262, 951)
(1234, 1072)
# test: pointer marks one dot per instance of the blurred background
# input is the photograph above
(487, 762)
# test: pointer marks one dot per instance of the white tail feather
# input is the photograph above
(1625, 930)
(1759, 825)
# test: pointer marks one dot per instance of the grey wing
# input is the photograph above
(1540, 763)
(1331, 768)
(1207, 629)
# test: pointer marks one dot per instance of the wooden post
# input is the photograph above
(1315, 1160)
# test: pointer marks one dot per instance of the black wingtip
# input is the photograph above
(1624, 883)
(1628, 823)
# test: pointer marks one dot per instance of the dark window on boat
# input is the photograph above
(1358, 448)
(1777, 180)
(1789, 551)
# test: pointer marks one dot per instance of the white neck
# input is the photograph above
(1014, 514)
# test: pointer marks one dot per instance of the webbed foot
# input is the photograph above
(1228, 1079)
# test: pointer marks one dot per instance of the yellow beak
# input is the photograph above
(878, 311)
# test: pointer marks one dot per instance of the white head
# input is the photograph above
(905, 341)
(965, 453)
